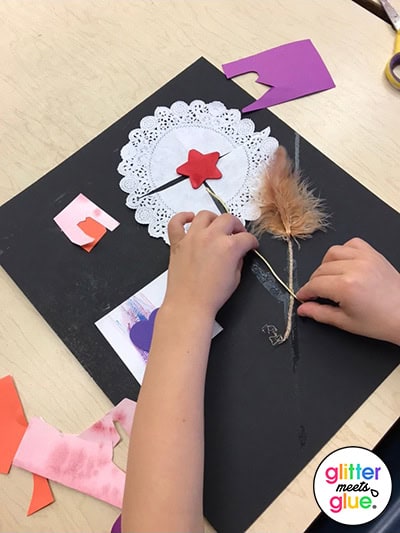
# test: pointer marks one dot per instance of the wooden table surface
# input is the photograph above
(70, 69)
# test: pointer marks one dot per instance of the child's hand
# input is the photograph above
(365, 286)
(206, 262)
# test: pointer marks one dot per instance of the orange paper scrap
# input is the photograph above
(94, 229)
(13, 425)
(41, 494)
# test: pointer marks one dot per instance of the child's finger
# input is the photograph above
(321, 287)
(358, 244)
(203, 219)
(339, 253)
(324, 313)
(245, 242)
(228, 224)
(176, 229)
(332, 268)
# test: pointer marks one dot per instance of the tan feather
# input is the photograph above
(288, 207)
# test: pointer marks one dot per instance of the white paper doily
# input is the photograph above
(162, 143)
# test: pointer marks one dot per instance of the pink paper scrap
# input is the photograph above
(82, 462)
(77, 211)
(291, 70)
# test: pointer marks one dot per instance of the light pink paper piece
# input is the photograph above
(291, 70)
(104, 428)
(77, 211)
(82, 462)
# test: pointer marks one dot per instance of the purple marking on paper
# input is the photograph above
(141, 333)
(291, 70)
(116, 526)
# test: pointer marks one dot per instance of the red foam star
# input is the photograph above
(200, 167)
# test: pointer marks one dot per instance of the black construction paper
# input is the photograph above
(268, 410)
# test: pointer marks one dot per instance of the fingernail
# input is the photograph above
(300, 310)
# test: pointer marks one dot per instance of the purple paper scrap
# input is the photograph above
(141, 332)
(291, 70)
(117, 526)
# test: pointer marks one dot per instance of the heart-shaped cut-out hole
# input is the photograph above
(141, 333)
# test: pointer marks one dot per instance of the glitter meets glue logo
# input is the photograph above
(352, 485)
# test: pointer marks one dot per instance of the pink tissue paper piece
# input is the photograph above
(105, 429)
(291, 70)
(82, 462)
(77, 211)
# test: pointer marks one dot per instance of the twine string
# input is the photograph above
(291, 299)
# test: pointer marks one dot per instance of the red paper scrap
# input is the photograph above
(13, 425)
(94, 229)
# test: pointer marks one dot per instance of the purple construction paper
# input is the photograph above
(291, 70)
(116, 526)
(141, 333)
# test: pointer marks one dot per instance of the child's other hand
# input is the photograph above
(365, 286)
(206, 262)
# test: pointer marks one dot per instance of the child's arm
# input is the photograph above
(164, 485)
